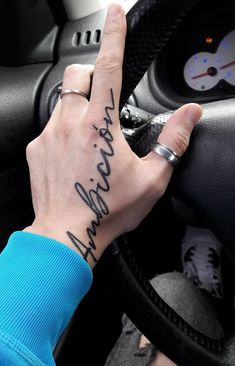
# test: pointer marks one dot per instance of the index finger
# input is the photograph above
(107, 77)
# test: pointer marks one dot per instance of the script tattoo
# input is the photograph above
(94, 198)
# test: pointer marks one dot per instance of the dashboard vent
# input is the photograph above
(77, 39)
(86, 38)
(97, 36)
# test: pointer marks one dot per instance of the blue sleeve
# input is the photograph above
(41, 283)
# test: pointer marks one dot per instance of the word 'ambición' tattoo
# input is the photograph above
(93, 198)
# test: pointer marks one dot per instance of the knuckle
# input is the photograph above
(71, 70)
(31, 148)
(181, 141)
(94, 117)
(88, 68)
(107, 62)
(113, 30)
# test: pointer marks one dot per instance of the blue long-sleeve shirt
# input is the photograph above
(41, 283)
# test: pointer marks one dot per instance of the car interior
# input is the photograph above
(176, 52)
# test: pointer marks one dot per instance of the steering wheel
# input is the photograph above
(205, 178)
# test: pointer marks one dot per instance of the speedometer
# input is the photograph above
(200, 72)
(204, 70)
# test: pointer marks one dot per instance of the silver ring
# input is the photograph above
(167, 153)
(71, 91)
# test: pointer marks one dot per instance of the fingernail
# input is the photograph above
(194, 113)
(114, 10)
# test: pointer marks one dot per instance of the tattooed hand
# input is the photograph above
(88, 186)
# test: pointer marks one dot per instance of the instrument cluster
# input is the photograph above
(204, 70)
(198, 64)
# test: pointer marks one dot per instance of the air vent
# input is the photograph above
(97, 35)
(77, 39)
(87, 38)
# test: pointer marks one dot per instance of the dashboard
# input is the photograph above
(198, 62)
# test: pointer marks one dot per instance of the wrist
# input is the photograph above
(81, 241)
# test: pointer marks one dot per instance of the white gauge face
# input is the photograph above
(204, 70)
(200, 73)
(225, 58)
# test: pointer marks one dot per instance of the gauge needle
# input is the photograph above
(211, 71)
(200, 75)
(227, 65)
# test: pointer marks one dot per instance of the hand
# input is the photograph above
(88, 187)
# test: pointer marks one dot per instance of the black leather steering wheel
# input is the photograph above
(205, 180)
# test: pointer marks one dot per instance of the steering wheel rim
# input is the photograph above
(212, 139)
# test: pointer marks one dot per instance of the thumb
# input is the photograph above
(175, 135)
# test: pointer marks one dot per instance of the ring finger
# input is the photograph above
(76, 77)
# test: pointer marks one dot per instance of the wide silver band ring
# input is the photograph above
(72, 91)
(167, 153)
